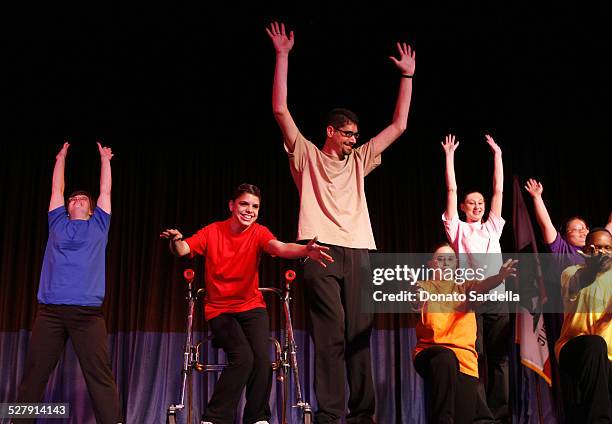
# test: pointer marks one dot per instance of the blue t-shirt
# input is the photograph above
(74, 263)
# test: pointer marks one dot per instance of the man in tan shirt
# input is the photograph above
(333, 208)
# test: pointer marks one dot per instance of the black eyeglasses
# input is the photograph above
(348, 134)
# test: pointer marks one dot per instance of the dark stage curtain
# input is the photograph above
(182, 95)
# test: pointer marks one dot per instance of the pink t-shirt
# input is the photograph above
(477, 237)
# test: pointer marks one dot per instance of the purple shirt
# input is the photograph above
(565, 254)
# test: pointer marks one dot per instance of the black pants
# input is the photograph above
(341, 334)
(451, 395)
(586, 380)
(492, 403)
(86, 328)
(244, 337)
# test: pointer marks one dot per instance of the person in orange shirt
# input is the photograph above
(445, 354)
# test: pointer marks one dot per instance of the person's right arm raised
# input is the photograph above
(282, 45)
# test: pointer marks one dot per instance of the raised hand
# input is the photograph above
(449, 145)
(406, 62)
(317, 253)
(171, 234)
(494, 147)
(105, 152)
(63, 151)
(534, 188)
(282, 43)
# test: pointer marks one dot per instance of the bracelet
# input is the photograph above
(407, 76)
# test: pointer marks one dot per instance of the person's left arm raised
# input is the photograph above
(406, 65)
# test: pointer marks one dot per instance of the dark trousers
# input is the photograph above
(341, 334)
(86, 328)
(451, 395)
(244, 337)
(493, 324)
(586, 380)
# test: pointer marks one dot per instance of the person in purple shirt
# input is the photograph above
(71, 292)
(566, 246)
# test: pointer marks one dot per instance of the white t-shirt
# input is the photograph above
(478, 237)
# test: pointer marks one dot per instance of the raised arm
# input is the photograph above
(57, 183)
(498, 177)
(312, 250)
(106, 181)
(449, 145)
(177, 245)
(282, 46)
(406, 65)
(535, 189)
(609, 224)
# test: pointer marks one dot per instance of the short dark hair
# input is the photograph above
(597, 230)
(441, 245)
(340, 116)
(566, 223)
(92, 205)
(246, 188)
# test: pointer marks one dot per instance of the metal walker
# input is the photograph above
(284, 365)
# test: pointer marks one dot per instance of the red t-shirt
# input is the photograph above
(231, 266)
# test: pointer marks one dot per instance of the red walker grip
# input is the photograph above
(290, 275)
(189, 274)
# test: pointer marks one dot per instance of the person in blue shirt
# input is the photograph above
(71, 292)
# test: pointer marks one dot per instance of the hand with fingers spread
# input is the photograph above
(318, 253)
(449, 144)
(282, 43)
(105, 152)
(177, 245)
(494, 147)
(63, 151)
(406, 62)
(535, 188)
(171, 234)
(508, 269)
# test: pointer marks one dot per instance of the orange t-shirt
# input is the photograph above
(231, 271)
(448, 324)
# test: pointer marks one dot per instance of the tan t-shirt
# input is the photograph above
(589, 313)
(332, 198)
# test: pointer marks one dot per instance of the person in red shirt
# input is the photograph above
(234, 306)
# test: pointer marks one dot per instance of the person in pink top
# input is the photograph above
(477, 241)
